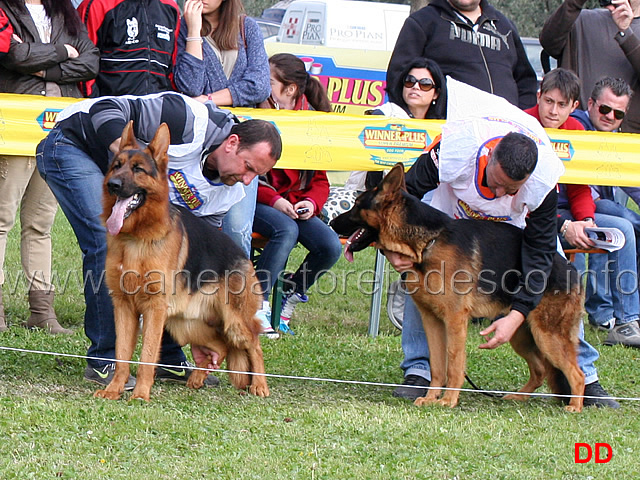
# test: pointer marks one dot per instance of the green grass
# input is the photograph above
(52, 427)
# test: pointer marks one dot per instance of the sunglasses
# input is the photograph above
(606, 109)
(425, 84)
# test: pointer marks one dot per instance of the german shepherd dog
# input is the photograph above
(466, 268)
(176, 270)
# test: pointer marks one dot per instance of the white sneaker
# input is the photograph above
(264, 314)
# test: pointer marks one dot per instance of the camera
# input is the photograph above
(604, 3)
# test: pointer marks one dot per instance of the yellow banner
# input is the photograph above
(339, 142)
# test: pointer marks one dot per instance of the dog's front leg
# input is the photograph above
(154, 319)
(126, 323)
(456, 328)
(436, 339)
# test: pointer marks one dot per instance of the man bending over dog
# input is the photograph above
(210, 154)
(506, 186)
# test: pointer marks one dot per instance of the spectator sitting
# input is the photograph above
(606, 108)
(289, 202)
(221, 57)
(598, 42)
(557, 99)
(421, 92)
(50, 52)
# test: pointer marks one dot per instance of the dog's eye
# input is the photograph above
(138, 169)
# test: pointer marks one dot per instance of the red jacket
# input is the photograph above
(581, 202)
(288, 184)
(5, 33)
(295, 185)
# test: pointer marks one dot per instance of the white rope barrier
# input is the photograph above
(316, 379)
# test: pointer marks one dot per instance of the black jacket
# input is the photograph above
(137, 40)
(30, 56)
(493, 59)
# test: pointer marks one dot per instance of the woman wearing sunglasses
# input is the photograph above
(422, 88)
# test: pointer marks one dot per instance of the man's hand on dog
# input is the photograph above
(502, 329)
(401, 263)
(201, 354)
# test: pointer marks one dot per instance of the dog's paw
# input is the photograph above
(422, 401)
(141, 396)
(573, 409)
(259, 390)
(109, 395)
(515, 396)
(196, 379)
(447, 402)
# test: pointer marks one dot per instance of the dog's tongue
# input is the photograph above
(348, 254)
(116, 219)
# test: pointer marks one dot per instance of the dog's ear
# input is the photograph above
(159, 146)
(394, 180)
(127, 139)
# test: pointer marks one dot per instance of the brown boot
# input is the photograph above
(3, 322)
(42, 314)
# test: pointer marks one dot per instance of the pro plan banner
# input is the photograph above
(340, 142)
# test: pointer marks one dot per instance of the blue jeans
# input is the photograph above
(416, 348)
(76, 181)
(283, 233)
(612, 278)
(238, 221)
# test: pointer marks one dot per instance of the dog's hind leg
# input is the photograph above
(555, 328)
(561, 353)
(524, 345)
(126, 323)
(258, 385)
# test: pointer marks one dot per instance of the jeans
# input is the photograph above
(612, 278)
(283, 233)
(76, 181)
(237, 222)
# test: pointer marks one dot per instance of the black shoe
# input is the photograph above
(181, 373)
(595, 390)
(409, 388)
(104, 375)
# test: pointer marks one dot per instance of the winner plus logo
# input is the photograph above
(47, 119)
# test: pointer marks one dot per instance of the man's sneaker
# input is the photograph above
(104, 375)
(409, 388)
(627, 334)
(289, 302)
(181, 373)
(606, 326)
(264, 314)
(595, 390)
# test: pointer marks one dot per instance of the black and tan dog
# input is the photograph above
(464, 269)
(177, 271)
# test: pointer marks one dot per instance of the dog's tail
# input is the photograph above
(238, 360)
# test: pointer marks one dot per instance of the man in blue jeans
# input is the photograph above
(606, 109)
(210, 157)
(476, 184)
